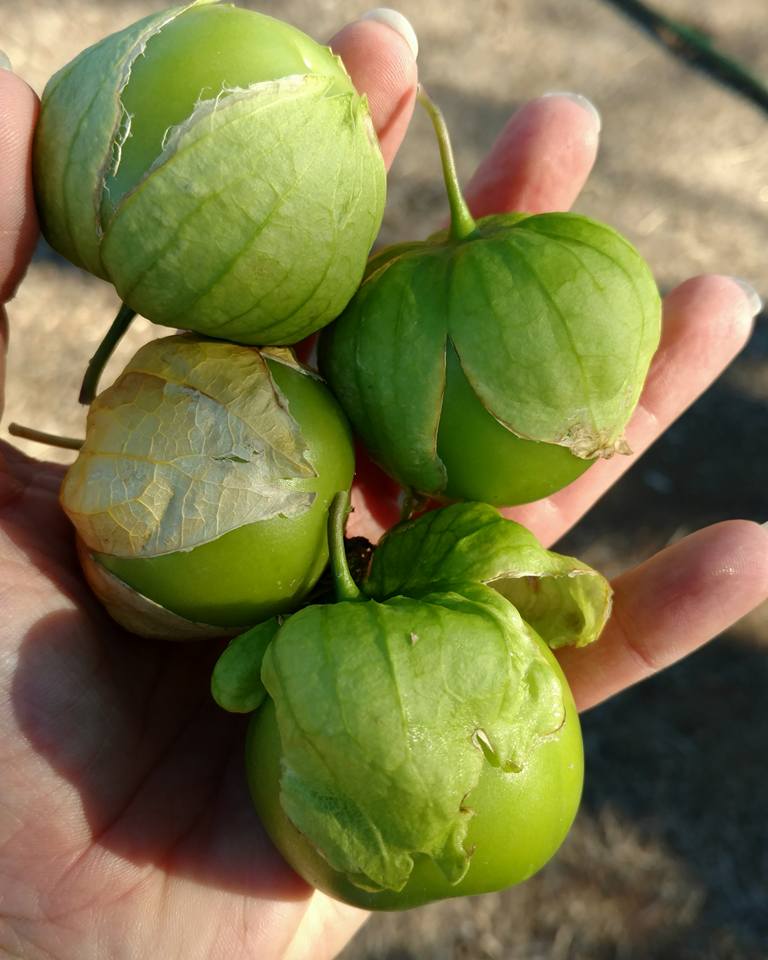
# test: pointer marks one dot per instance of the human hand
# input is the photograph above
(125, 816)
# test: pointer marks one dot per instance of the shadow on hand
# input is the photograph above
(140, 751)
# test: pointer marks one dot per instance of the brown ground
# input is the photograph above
(669, 856)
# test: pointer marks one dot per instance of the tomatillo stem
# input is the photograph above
(344, 584)
(99, 360)
(39, 436)
(462, 223)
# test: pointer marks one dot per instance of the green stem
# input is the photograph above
(462, 222)
(345, 586)
(99, 360)
(39, 436)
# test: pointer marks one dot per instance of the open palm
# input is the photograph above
(125, 825)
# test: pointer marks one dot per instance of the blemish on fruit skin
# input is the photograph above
(481, 741)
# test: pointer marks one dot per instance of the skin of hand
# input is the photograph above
(126, 829)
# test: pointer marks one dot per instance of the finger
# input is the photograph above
(667, 607)
(18, 221)
(541, 160)
(707, 321)
(381, 59)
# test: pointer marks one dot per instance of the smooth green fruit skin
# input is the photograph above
(261, 569)
(485, 461)
(520, 819)
(204, 50)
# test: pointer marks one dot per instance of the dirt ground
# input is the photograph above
(669, 855)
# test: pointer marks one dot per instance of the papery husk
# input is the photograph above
(554, 320)
(207, 239)
(193, 439)
(137, 613)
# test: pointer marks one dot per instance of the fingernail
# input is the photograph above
(5, 63)
(582, 101)
(397, 22)
(753, 297)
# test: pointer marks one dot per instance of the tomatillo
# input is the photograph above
(218, 167)
(419, 744)
(497, 360)
(200, 495)
(517, 820)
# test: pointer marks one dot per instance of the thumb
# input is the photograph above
(18, 219)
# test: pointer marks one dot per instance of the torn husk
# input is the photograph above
(137, 613)
(193, 440)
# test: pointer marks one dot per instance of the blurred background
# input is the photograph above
(669, 855)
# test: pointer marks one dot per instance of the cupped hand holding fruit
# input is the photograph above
(123, 805)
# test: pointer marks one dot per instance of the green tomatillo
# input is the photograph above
(201, 492)
(218, 167)
(499, 359)
(417, 740)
